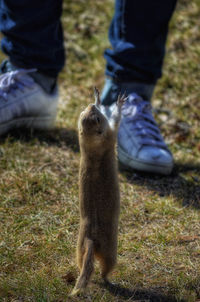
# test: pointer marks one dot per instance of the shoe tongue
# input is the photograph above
(6, 66)
(46, 82)
(134, 97)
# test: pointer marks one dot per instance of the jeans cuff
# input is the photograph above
(113, 88)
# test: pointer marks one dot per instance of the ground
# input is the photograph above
(159, 231)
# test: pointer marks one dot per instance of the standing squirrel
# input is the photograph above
(98, 191)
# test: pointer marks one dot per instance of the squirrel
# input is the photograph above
(99, 196)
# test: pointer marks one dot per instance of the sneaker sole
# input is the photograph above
(131, 164)
(42, 123)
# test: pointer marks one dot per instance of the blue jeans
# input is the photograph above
(33, 37)
(33, 34)
(138, 34)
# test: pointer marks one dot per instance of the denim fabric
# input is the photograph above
(112, 89)
(33, 34)
(137, 35)
(34, 38)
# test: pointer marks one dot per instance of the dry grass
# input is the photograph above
(159, 233)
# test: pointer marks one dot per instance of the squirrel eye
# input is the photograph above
(98, 119)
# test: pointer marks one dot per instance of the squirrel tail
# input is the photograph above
(87, 267)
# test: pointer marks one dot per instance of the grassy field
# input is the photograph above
(159, 231)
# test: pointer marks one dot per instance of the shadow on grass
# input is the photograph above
(60, 137)
(183, 183)
(142, 295)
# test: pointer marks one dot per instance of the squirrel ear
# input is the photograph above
(96, 96)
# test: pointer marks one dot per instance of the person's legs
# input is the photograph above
(138, 34)
(33, 35)
(33, 41)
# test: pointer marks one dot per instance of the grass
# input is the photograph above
(159, 231)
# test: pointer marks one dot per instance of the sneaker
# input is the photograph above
(140, 143)
(23, 101)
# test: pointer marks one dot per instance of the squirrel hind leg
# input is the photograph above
(107, 264)
(80, 255)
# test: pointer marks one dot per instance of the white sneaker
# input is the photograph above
(140, 144)
(24, 103)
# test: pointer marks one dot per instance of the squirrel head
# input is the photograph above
(93, 128)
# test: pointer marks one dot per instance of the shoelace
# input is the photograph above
(13, 80)
(139, 114)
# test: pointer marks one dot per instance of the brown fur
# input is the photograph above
(98, 194)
